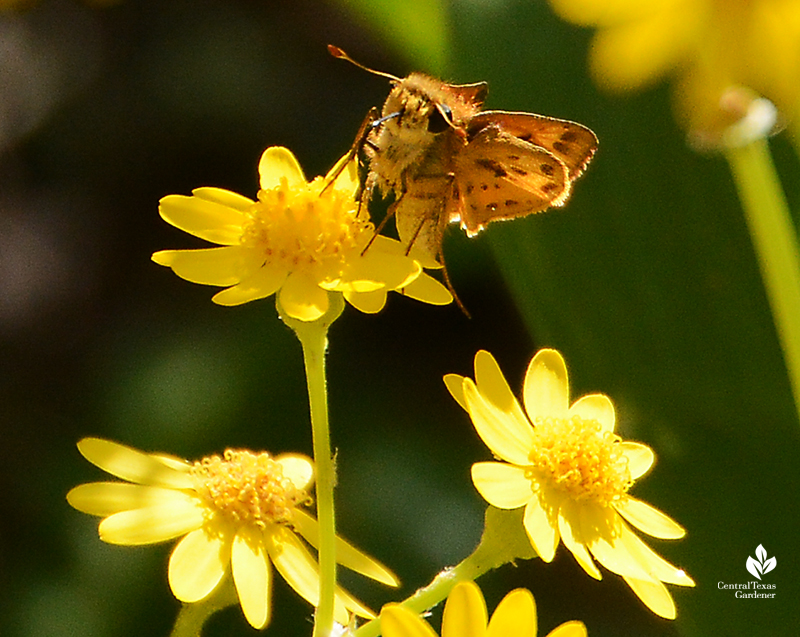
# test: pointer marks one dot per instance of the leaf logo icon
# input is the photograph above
(762, 565)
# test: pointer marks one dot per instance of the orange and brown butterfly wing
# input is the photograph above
(572, 143)
(499, 176)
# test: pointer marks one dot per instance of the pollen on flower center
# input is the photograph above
(247, 488)
(577, 457)
(301, 226)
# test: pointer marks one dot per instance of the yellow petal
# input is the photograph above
(133, 465)
(640, 458)
(152, 524)
(197, 565)
(569, 629)
(506, 434)
(301, 297)
(252, 576)
(367, 302)
(299, 469)
(224, 198)
(203, 218)
(653, 564)
(634, 54)
(546, 388)
(455, 385)
(397, 621)
(346, 554)
(428, 290)
(655, 596)
(595, 407)
(279, 163)
(211, 266)
(514, 615)
(465, 612)
(493, 386)
(107, 498)
(542, 528)
(347, 180)
(263, 283)
(502, 485)
(570, 529)
(649, 519)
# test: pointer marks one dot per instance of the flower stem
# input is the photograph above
(775, 242)
(503, 541)
(313, 336)
(192, 617)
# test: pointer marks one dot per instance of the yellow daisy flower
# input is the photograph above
(465, 616)
(570, 471)
(710, 45)
(242, 510)
(299, 239)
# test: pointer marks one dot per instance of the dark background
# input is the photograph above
(646, 282)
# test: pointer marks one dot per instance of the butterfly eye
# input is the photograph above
(441, 119)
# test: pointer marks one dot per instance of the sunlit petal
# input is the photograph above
(107, 498)
(252, 576)
(541, 525)
(546, 387)
(197, 565)
(502, 485)
(569, 526)
(297, 468)
(263, 283)
(655, 596)
(465, 612)
(649, 519)
(153, 524)
(211, 266)
(302, 298)
(397, 621)
(595, 407)
(455, 385)
(493, 386)
(203, 218)
(640, 458)
(276, 164)
(515, 615)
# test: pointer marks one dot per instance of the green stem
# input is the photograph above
(313, 336)
(775, 242)
(192, 617)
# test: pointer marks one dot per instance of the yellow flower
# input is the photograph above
(710, 45)
(241, 509)
(465, 616)
(299, 239)
(570, 471)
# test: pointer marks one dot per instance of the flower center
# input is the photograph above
(247, 488)
(578, 458)
(301, 226)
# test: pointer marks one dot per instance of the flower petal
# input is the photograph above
(649, 519)
(569, 527)
(653, 564)
(347, 180)
(302, 298)
(546, 387)
(299, 469)
(455, 385)
(640, 458)
(569, 629)
(367, 302)
(212, 266)
(397, 621)
(197, 565)
(541, 525)
(224, 198)
(595, 407)
(655, 596)
(252, 576)
(428, 290)
(107, 498)
(464, 612)
(514, 615)
(502, 485)
(493, 386)
(346, 554)
(507, 435)
(133, 465)
(153, 524)
(203, 218)
(279, 163)
(263, 283)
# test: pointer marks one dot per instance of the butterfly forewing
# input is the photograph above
(572, 143)
(498, 176)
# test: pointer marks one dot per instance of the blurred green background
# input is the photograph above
(646, 282)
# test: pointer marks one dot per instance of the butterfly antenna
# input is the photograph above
(336, 52)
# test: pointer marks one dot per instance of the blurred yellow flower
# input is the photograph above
(570, 471)
(299, 239)
(710, 45)
(465, 616)
(242, 510)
